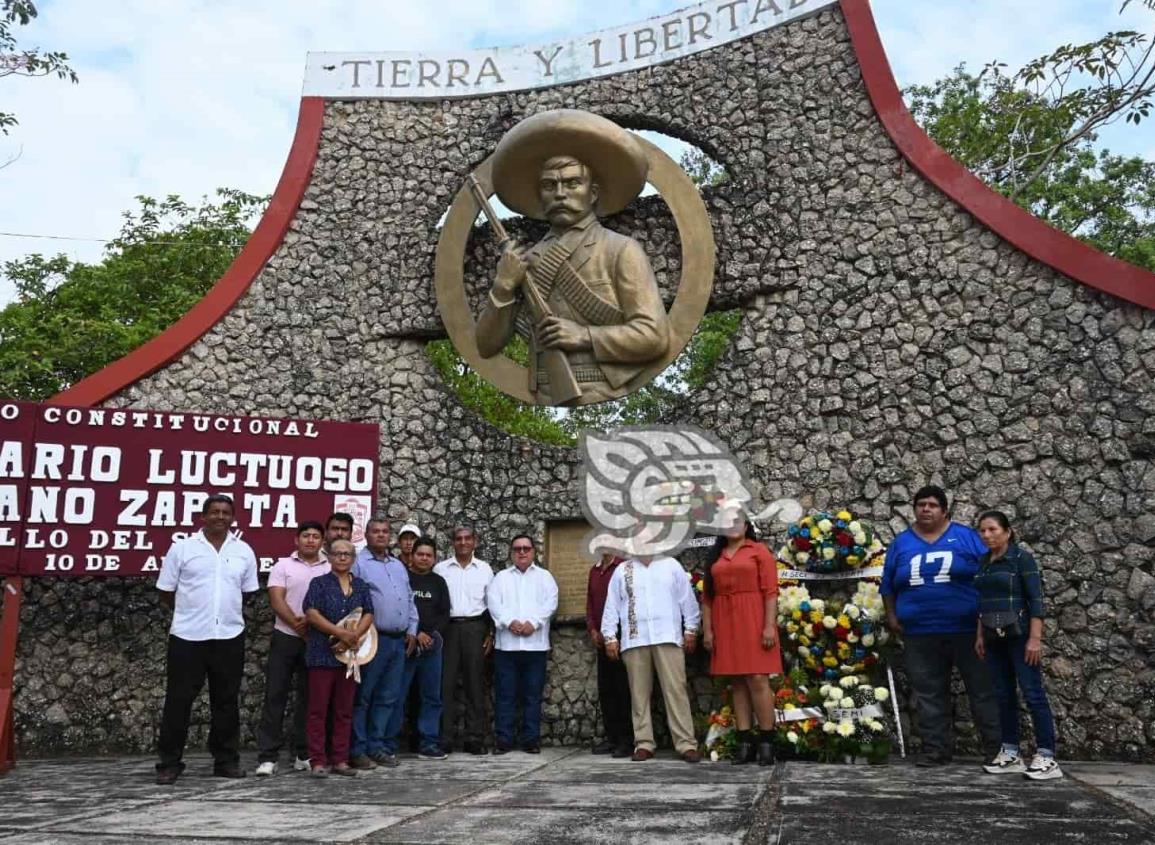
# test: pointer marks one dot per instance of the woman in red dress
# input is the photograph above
(740, 628)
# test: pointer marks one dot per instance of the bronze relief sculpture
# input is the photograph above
(584, 297)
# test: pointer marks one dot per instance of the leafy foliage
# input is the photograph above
(29, 61)
(70, 319)
(1029, 144)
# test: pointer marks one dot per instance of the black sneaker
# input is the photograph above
(603, 747)
(622, 751)
(532, 748)
(232, 771)
(432, 752)
(168, 776)
(474, 748)
(500, 749)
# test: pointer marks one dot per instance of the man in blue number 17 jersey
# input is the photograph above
(928, 589)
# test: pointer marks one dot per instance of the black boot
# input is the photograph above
(744, 751)
(765, 753)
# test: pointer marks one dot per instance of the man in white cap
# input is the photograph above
(604, 319)
(406, 537)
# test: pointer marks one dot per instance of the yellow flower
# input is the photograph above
(844, 621)
(852, 560)
(816, 616)
(845, 515)
(805, 640)
(829, 661)
(796, 614)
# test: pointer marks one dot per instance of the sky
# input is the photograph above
(185, 96)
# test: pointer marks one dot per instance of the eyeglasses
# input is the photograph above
(522, 548)
(340, 554)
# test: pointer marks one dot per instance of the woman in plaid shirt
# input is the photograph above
(1010, 638)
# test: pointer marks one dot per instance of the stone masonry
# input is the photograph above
(888, 340)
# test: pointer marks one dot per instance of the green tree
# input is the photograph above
(69, 318)
(1032, 135)
(15, 61)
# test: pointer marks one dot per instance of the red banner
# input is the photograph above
(106, 491)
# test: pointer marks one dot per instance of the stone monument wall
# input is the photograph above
(889, 340)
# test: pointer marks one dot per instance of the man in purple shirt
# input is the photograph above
(395, 615)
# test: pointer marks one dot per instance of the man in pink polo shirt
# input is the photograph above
(288, 582)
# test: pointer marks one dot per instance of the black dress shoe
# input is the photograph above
(743, 753)
(532, 748)
(167, 777)
(228, 772)
(622, 751)
(603, 747)
(474, 748)
(765, 754)
(500, 749)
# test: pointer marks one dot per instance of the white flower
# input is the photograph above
(881, 693)
(852, 638)
(831, 704)
(824, 690)
(854, 527)
(801, 557)
(846, 728)
(825, 525)
(852, 611)
(849, 681)
(846, 703)
(829, 623)
(829, 727)
(867, 640)
(859, 538)
(714, 756)
(835, 693)
(828, 553)
(819, 605)
(791, 737)
(803, 650)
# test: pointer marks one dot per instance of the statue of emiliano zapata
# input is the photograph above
(583, 297)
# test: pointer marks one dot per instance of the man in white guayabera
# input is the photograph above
(651, 601)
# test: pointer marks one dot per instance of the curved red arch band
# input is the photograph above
(252, 258)
(1068, 255)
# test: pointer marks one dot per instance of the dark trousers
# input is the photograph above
(518, 681)
(464, 660)
(285, 671)
(379, 698)
(331, 697)
(189, 663)
(614, 699)
(1006, 659)
(423, 674)
(929, 660)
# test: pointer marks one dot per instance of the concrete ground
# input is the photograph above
(568, 795)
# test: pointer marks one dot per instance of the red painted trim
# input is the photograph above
(1068, 255)
(260, 247)
(9, 631)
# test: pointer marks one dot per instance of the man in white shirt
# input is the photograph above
(202, 578)
(468, 640)
(521, 600)
(651, 601)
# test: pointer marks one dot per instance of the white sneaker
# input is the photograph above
(1004, 763)
(301, 765)
(1043, 768)
(267, 769)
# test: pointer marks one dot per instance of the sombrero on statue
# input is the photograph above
(366, 650)
(611, 152)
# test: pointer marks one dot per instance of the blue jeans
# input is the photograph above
(425, 669)
(378, 695)
(518, 680)
(1006, 658)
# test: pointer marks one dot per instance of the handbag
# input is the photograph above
(1002, 623)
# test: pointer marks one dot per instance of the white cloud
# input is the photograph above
(178, 96)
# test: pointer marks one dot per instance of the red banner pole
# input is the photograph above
(9, 631)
